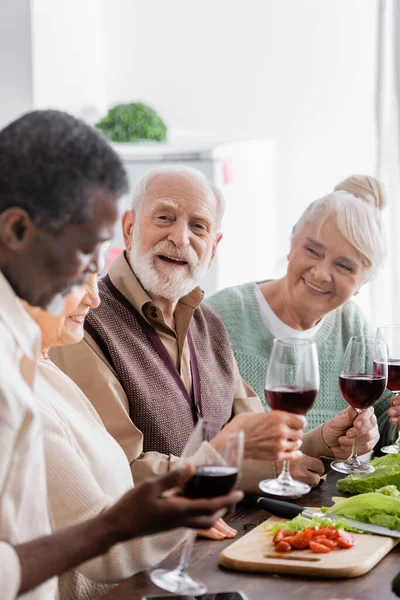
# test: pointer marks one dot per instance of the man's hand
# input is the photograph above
(306, 469)
(394, 412)
(340, 432)
(219, 531)
(273, 436)
(147, 509)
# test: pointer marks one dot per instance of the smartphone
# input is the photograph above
(215, 596)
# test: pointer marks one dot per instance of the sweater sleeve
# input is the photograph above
(75, 496)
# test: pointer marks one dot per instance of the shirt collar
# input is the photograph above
(127, 283)
(22, 327)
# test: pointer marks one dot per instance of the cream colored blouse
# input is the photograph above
(87, 471)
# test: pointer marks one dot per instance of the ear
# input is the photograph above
(17, 230)
(217, 240)
(128, 221)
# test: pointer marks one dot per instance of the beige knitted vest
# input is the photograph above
(159, 403)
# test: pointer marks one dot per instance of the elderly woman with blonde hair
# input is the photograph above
(337, 245)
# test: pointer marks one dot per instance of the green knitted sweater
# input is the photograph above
(252, 342)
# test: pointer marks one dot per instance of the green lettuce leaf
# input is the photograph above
(380, 507)
(387, 473)
(299, 523)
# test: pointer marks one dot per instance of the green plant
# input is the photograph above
(131, 123)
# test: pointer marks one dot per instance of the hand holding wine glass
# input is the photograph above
(291, 385)
(362, 382)
(390, 334)
(215, 474)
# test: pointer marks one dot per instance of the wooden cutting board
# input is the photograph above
(256, 552)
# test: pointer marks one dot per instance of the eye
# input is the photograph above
(345, 267)
(199, 226)
(312, 251)
(164, 218)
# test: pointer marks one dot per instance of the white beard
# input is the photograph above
(171, 285)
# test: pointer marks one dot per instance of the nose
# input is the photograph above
(321, 271)
(92, 298)
(179, 233)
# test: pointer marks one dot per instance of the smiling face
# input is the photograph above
(67, 328)
(42, 266)
(324, 269)
(172, 239)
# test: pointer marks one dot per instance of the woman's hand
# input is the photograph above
(394, 412)
(340, 432)
(219, 531)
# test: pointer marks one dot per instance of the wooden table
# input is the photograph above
(375, 585)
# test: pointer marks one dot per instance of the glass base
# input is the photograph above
(392, 449)
(348, 468)
(290, 488)
(177, 581)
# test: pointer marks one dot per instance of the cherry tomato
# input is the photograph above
(331, 532)
(281, 534)
(319, 548)
(283, 547)
(301, 539)
(288, 532)
(318, 531)
(325, 541)
(345, 540)
(278, 537)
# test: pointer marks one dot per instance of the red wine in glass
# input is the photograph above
(362, 391)
(393, 383)
(210, 481)
(291, 398)
(362, 382)
(291, 385)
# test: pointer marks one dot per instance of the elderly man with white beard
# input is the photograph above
(155, 357)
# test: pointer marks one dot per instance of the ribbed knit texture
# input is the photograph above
(251, 343)
(157, 404)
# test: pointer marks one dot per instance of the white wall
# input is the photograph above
(15, 59)
(68, 59)
(299, 71)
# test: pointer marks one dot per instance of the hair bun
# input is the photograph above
(365, 187)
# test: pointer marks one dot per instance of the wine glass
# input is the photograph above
(216, 472)
(362, 382)
(291, 384)
(390, 334)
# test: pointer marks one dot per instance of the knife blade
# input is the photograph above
(288, 510)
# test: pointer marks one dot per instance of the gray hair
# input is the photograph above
(143, 183)
(355, 206)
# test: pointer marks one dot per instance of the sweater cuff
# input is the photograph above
(254, 471)
(314, 444)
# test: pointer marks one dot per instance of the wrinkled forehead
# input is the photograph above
(186, 192)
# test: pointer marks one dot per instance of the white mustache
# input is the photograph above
(169, 249)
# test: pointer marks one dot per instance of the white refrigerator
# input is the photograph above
(245, 172)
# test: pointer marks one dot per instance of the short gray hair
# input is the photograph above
(355, 206)
(143, 183)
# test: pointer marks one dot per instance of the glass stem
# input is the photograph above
(353, 458)
(186, 552)
(285, 477)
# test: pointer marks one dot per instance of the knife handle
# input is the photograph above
(286, 510)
